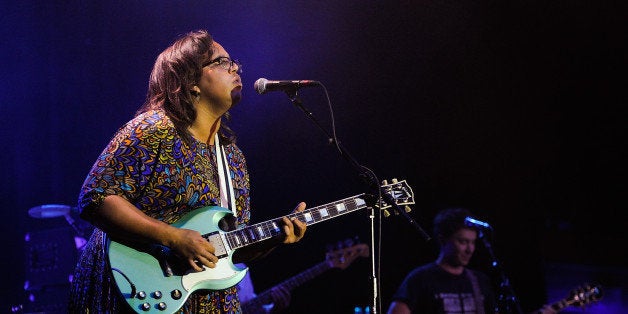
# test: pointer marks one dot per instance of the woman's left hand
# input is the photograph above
(294, 228)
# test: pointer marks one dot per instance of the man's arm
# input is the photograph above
(398, 307)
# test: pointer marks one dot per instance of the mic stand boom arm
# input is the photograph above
(367, 176)
(372, 184)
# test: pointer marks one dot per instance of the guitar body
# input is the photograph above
(161, 293)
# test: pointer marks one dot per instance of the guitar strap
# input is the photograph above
(477, 294)
(227, 198)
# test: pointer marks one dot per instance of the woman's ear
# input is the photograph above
(195, 91)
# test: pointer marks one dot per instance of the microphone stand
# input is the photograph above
(507, 301)
(372, 184)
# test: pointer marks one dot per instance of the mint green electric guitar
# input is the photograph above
(153, 280)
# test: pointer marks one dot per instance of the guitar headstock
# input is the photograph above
(580, 296)
(585, 294)
(399, 192)
(342, 258)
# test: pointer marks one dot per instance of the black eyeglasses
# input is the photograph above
(226, 63)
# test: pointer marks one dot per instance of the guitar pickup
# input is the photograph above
(215, 239)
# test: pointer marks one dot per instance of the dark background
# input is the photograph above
(514, 109)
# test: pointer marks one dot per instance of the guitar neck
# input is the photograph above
(304, 276)
(560, 305)
(266, 297)
(268, 229)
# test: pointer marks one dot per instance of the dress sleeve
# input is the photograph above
(124, 166)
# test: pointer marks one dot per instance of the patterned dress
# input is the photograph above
(148, 163)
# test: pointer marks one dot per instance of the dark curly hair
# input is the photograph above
(176, 70)
(450, 220)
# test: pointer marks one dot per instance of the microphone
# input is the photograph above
(263, 85)
(471, 222)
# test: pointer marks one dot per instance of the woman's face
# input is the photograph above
(221, 88)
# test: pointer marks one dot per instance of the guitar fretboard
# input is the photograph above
(305, 276)
(268, 229)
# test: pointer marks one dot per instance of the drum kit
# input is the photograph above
(57, 210)
(50, 257)
(50, 211)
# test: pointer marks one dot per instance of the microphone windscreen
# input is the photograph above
(260, 85)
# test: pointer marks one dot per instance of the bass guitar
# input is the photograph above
(340, 258)
(151, 279)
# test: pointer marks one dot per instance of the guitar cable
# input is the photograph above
(133, 289)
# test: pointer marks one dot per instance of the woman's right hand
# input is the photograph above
(193, 248)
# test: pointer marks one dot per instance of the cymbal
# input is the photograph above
(49, 211)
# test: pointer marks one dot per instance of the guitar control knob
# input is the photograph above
(176, 294)
(161, 306)
(145, 306)
(157, 294)
(141, 295)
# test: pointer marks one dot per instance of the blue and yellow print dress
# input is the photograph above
(148, 163)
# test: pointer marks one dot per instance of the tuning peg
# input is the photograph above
(394, 180)
(384, 182)
(387, 213)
